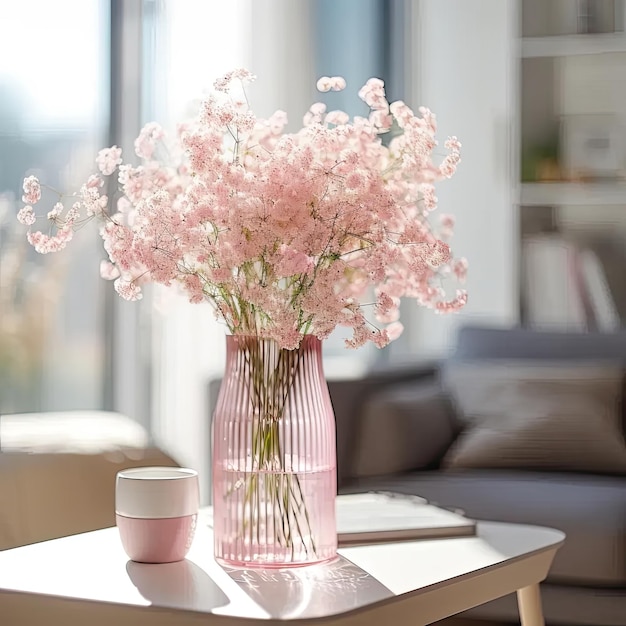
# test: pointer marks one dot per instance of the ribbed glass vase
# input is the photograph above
(274, 457)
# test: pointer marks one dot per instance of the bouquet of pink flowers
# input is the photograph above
(284, 233)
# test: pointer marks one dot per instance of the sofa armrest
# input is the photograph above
(350, 396)
(49, 495)
(57, 471)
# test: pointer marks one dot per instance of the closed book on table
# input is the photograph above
(382, 517)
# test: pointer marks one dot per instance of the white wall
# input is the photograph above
(467, 74)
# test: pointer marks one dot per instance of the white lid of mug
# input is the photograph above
(157, 492)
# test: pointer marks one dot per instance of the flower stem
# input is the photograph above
(272, 484)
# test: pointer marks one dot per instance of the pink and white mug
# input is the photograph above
(156, 510)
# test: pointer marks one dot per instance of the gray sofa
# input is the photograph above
(395, 427)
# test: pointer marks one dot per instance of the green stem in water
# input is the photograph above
(268, 481)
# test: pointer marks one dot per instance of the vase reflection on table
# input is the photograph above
(274, 460)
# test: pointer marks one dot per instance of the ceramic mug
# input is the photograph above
(156, 510)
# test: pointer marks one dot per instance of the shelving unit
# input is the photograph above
(556, 86)
(573, 194)
(572, 115)
(572, 45)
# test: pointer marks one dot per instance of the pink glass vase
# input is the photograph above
(274, 458)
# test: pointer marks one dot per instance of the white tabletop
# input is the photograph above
(94, 567)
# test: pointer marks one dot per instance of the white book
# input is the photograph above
(602, 304)
(379, 517)
(551, 291)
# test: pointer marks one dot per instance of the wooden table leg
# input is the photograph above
(529, 603)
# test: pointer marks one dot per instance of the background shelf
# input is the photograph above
(570, 45)
(573, 194)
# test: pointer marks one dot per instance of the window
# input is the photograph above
(53, 117)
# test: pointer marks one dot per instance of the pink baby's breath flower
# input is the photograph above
(447, 168)
(354, 180)
(450, 163)
(387, 308)
(194, 288)
(381, 119)
(244, 122)
(55, 211)
(129, 290)
(459, 268)
(277, 122)
(108, 159)
(284, 233)
(244, 75)
(223, 83)
(146, 142)
(73, 214)
(453, 144)
(32, 190)
(373, 94)
(108, 271)
(94, 181)
(324, 84)
(429, 198)
(438, 253)
(337, 118)
(385, 303)
(453, 305)
(401, 112)
(293, 262)
(337, 83)
(394, 330)
(318, 108)
(447, 226)
(93, 202)
(44, 244)
(446, 220)
(26, 216)
(314, 114)
(124, 205)
(429, 119)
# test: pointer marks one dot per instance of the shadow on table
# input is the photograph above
(181, 585)
(313, 591)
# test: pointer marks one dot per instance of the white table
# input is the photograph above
(87, 579)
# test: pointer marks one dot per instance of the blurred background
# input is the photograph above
(535, 91)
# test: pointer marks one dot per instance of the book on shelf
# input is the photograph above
(604, 313)
(551, 287)
(380, 517)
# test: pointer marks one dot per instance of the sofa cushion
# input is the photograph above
(350, 396)
(483, 342)
(591, 510)
(403, 427)
(538, 415)
(478, 342)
